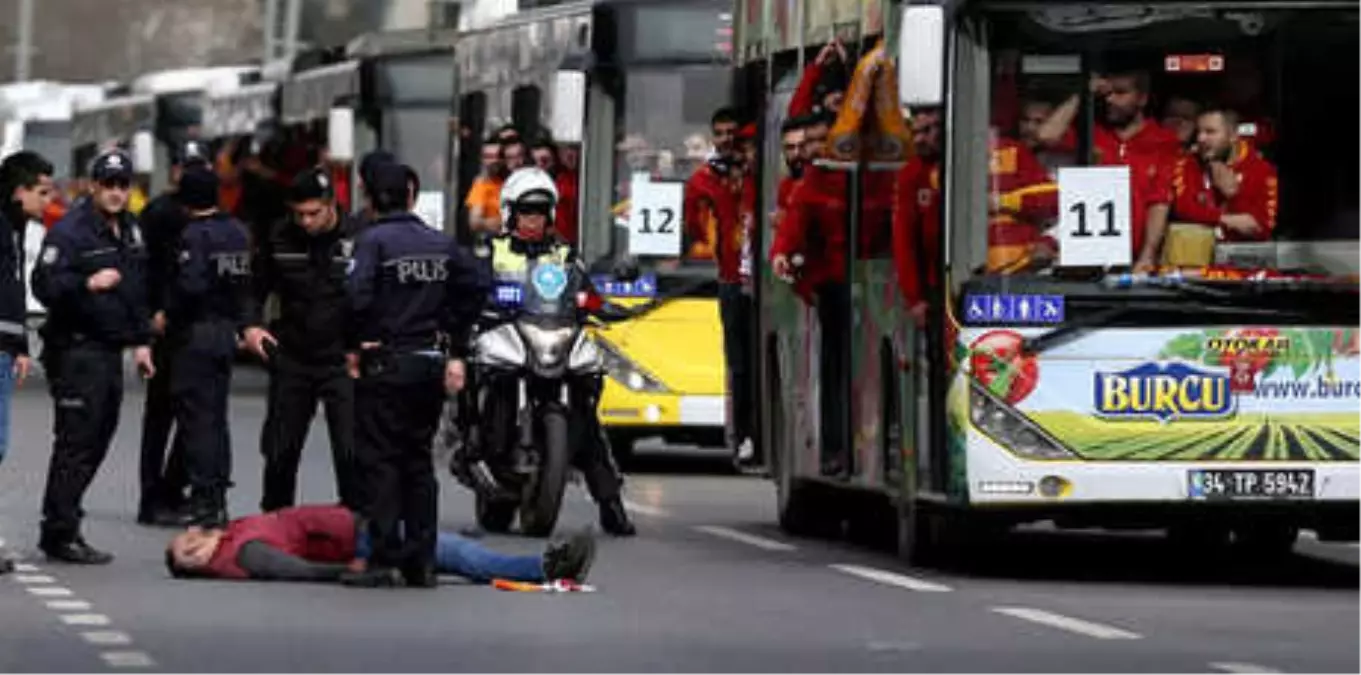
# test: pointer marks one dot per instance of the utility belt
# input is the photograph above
(404, 364)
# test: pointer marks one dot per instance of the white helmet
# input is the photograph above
(529, 185)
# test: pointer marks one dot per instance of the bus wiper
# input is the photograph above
(1034, 345)
(1046, 341)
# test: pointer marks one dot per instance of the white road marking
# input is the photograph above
(25, 567)
(748, 539)
(68, 605)
(892, 578)
(107, 637)
(85, 619)
(50, 591)
(646, 510)
(1231, 667)
(1088, 628)
(33, 579)
(127, 659)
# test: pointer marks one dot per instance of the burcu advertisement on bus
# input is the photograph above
(1179, 394)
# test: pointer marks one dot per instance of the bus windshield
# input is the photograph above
(663, 138)
(1212, 140)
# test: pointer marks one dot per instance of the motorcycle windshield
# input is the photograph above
(546, 290)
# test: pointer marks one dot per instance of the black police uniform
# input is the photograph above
(410, 285)
(205, 311)
(83, 341)
(308, 273)
(163, 479)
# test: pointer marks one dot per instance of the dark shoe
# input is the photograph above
(421, 577)
(76, 552)
(373, 577)
(615, 520)
(570, 558)
(6, 565)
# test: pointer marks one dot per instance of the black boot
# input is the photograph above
(420, 576)
(372, 577)
(615, 520)
(570, 558)
(74, 551)
(208, 509)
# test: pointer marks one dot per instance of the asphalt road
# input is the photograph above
(709, 585)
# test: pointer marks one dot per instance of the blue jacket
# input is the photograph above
(212, 280)
(78, 246)
(410, 285)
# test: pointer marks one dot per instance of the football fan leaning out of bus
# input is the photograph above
(549, 157)
(916, 212)
(484, 198)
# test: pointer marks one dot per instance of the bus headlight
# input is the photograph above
(1009, 428)
(628, 373)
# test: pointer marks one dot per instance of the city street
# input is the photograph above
(710, 584)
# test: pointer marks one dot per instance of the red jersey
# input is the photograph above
(713, 220)
(804, 99)
(325, 534)
(916, 226)
(1197, 200)
(1027, 199)
(1150, 155)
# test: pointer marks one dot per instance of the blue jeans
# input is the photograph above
(463, 557)
(6, 394)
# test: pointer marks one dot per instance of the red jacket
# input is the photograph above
(916, 209)
(565, 218)
(1196, 199)
(713, 220)
(324, 534)
(1150, 154)
(805, 95)
(815, 224)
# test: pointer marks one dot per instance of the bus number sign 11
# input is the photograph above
(1094, 218)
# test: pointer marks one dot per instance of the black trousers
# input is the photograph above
(736, 311)
(201, 378)
(834, 319)
(594, 458)
(398, 400)
(294, 391)
(162, 479)
(86, 382)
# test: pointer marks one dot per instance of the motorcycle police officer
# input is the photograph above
(91, 277)
(409, 285)
(205, 311)
(528, 200)
(163, 479)
(305, 260)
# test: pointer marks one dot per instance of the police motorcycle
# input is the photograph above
(535, 375)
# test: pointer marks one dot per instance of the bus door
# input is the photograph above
(231, 120)
(408, 106)
(318, 109)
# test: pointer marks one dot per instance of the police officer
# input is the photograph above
(409, 286)
(163, 479)
(304, 260)
(529, 201)
(205, 310)
(91, 277)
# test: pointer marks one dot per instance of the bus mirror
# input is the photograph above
(569, 106)
(144, 152)
(921, 55)
(340, 135)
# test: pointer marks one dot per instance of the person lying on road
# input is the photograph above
(329, 543)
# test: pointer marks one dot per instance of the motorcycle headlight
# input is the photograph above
(586, 355)
(1012, 430)
(548, 344)
(499, 346)
(628, 373)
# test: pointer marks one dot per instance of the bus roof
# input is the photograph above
(400, 42)
(192, 79)
(45, 101)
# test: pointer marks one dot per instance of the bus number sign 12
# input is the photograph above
(1094, 217)
(655, 218)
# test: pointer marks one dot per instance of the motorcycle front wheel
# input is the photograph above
(542, 498)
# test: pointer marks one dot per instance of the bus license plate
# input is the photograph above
(1251, 484)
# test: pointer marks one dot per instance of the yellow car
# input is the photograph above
(666, 376)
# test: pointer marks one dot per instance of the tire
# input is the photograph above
(542, 500)
(495, 516)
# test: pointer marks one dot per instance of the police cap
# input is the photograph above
(111, 165)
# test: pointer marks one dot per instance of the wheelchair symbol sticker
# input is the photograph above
(549, 281)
